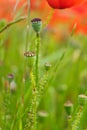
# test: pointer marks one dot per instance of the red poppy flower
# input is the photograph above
(61, 4)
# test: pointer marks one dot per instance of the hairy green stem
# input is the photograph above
(69, 122)
(37, 58)
(34, 109)
(36, 83)
(77, 120)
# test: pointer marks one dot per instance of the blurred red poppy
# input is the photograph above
(61, 4)
(66, 17)
(69, 17)
(7, 8)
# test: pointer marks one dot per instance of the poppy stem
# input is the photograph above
(12, 23)
(28, 26)
(36, 80)
(37, 57)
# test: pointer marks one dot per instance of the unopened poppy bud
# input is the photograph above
(10, 77)
(68, 108)
(82, 99)
(47, 66)
(36, 24)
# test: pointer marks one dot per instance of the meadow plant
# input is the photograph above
(43, 89)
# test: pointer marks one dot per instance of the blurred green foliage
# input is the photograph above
(67, 78)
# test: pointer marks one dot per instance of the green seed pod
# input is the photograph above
(82, 99)
(29, 54)
(68, 108)
(36, 24)
(47, 66)
(10, 77)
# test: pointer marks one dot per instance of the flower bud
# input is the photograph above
(47, 66)
(68, 107)
(82, 99)
(10, 77)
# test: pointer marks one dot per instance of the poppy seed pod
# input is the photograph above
(82, 99)
(68, 107)
(29, 54)
(47, 66)
(36, 24)
(10, 77)
(62, 4)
